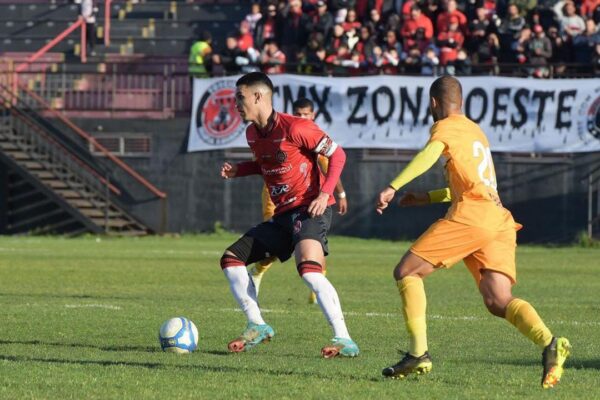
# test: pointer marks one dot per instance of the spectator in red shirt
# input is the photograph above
(272, 58)
(589, 8)
(417, 31)
(443, 20)
(450, 42)
(245, 40)
(351, 21)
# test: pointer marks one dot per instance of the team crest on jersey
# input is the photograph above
(280, 156)
(217, 120)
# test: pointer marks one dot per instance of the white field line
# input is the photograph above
(398, 315)
(105, 306)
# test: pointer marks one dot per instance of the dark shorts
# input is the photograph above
(280, 235)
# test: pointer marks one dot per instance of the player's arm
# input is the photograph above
(418, 165)
(241, 169)
(339, 187)
(308, 135)
(423, 198)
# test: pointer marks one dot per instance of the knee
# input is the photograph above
(496, 305)
(305, 266)
(228, 259)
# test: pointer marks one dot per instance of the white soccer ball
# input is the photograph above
(178, 335)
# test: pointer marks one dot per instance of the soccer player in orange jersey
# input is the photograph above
(303, 108)
(476, 229)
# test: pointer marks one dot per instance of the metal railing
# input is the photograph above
(28, 107)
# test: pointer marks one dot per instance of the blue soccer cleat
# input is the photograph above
(340, 347)
(253, 335)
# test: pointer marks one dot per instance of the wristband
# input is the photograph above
(341, 195)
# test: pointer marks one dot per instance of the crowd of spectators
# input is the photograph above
(461, 37)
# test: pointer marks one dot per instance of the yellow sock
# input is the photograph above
(414, 304)
(261, 267)
(524, 317)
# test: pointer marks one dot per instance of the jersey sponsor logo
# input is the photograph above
(279, 190)
(217, 120)
(281, 156)
(277, 171)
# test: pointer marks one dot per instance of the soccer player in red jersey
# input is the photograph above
(285, 153)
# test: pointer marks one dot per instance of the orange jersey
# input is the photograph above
(471, 175)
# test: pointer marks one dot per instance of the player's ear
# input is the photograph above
(257, 96)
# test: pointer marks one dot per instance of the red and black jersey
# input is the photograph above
(286, 152)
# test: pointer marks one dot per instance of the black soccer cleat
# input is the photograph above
(409, 364)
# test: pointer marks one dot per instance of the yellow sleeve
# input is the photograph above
(323, 163)
(268, 208)
(419, 164)
(440, 195)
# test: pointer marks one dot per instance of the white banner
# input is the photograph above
(518, 115)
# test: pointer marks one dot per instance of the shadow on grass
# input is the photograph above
(197, 367)
(145, 349)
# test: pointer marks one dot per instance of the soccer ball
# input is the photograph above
(178, 335)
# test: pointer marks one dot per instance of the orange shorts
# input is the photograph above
(447, 242)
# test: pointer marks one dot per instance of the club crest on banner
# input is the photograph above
(217, 120)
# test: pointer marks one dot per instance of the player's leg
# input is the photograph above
(496, 267)
(309, 236)
(442, 245)
(312, 296)
(409, 275)
(258, 270)
(249, 248)
(309, 261)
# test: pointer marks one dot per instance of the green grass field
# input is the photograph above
(79, 320)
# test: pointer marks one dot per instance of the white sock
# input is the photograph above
(328, 301)
(243, 290)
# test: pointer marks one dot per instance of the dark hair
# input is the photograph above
(255, 78)
(206, 36)
(303, 102)
(446, 89)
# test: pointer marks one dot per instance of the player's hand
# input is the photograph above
(384, 199)
(317, 206)
(343, 206)
(414, 199)
(228, 171)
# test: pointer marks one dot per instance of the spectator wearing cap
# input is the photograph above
(272, 58)
(450, 42)
(266, 26)
(417, 31)
(293, 27)
(571, 24)
(451, 10)
(539, 52)
(585, 43)
(323, 20)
